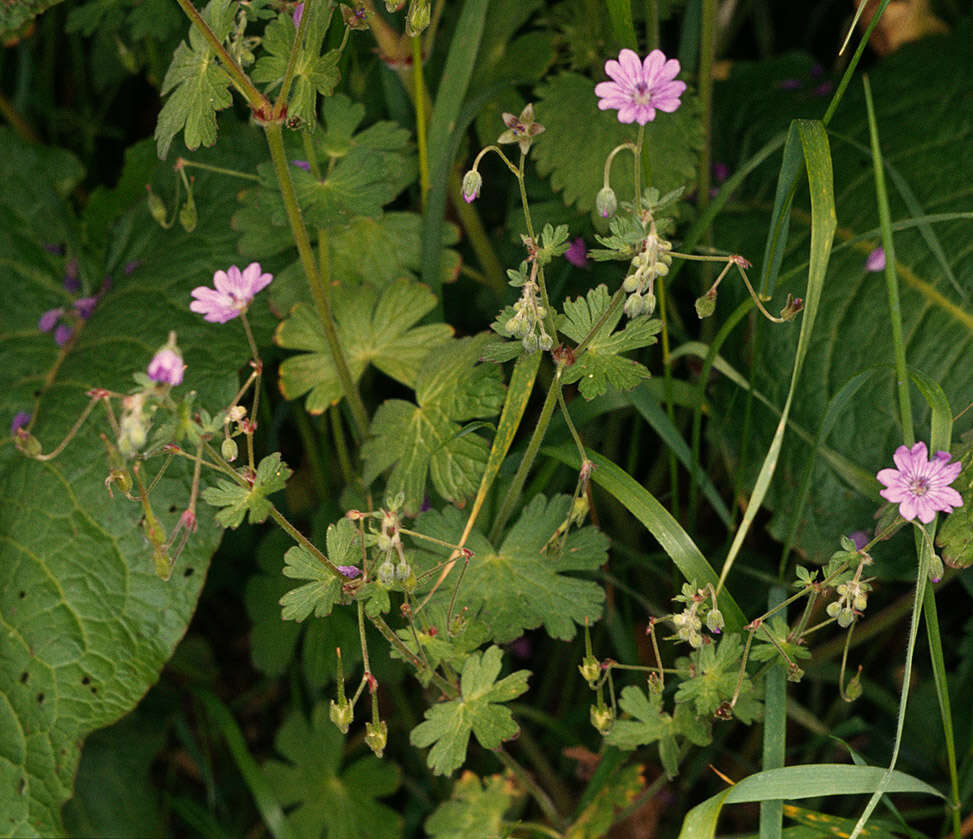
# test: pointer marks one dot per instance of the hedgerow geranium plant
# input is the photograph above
(547, 472)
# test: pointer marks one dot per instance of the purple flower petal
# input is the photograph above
(350, 571)
(49, 319)
(875, 260)
(63, 334)
(638, 88)
(21, 418)
(301, 164)
(234, 289)
(71, 281)
(167, 367)
(84, 306)
(920, 486)
(577, 254)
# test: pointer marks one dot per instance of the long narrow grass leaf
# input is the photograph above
(455, 80)
(775, 730)
(797, 782)
(679, 546)
(620, 15)
(817, 158)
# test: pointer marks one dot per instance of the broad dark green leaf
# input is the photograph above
(89, 624)
(932, 157)
(475, 808)
(519, 585)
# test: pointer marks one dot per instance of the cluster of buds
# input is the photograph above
(851, 603)
(652, 261)
(527, 324)
(394, 568)
(700, 607)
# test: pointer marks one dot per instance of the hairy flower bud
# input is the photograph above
(706, 305)
(606, 203)
(386, 573)
(188, 215)
(229, 449)
(472, 181)
(602, 719)
(157, 207)
(417, 18)
(27, 443)
(376, 736)
(342, 715)
(591, 670)
(714, 621)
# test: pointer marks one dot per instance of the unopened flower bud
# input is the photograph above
(417, 18)
(121, 478)
(854, 687)
(342, 715)
(157, 207)
(472, 181)
(633, 305)
(794, 673)
(706, 305)
(530, 342)
(386, 573)
(590, 669)
(545, 342)
(229, 449)
(936, 569)
(403, 571)
(602, 719)
(27, 443)
(648, 303)
(392, 6)
(714, 621)
(606, 203)
(188, 215)
(376, 736)
(791, 307)
(630, 283)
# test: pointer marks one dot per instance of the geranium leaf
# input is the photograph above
(425, 441)
(237, 501)
(448, 725)
(313, 73)
(601, 364)
(596, 819)
(198, 87)
(324, 794)
(475, 808)
(373, 327)
(519, 585)
(324, 588)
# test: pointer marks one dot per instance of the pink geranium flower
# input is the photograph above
(639, 88)
(919, 486)
(167, 366)
(234, 289)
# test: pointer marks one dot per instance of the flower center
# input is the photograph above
(919, 486)
(642, 96)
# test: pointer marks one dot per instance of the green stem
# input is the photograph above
(535, 790)
(257, 101)
(533, 446)
(449, 690)
(420, 104)
(182, 163)
(942, 692)
(707, 50)
(275, 140)
(891, 279)
(280, 106)
(303, 541)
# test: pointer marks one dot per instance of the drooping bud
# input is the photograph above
(472, 181)
(386, 573)
(342, 715)
(714, 621)
(27, 443)
(854, 687)
(936, 569)
(606, 203)
(188, 215)
(590, 669)
(706, 305)
(229, 449)
(157, 208)
(376, 736)
(602, 719)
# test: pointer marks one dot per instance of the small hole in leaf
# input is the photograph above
(172, 508)
(85, 681)
(40, 699)
(24, 677)
(94, 689)
(23, 594)
(188, 572)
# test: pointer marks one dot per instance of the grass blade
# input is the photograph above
(658, 521)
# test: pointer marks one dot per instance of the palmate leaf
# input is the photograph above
(373, 328)
(933, 160)
(712, 677)
(653, 725)
(600, 365)
(475, 808)
(425, 441)
(88, 624)
(955, 534)
(519, 586)
(197, 85)
(325, 795)
(237, 501)
(324, 589)
(313, 74)
(448, 725)
(579, 137)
